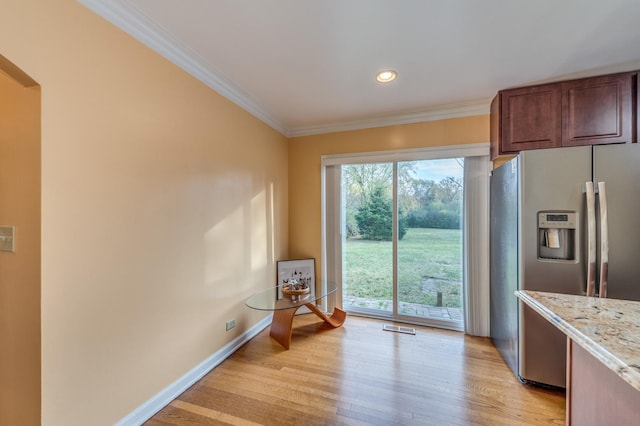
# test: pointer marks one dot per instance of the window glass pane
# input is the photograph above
(367, 245)
(430, 194)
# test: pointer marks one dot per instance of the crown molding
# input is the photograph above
(131, 20)
(128, 18)
(439, 112)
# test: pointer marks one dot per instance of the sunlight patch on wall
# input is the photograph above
(272, 226)
(258, 236)
(224, 251)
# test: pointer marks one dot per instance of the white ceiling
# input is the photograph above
(308, 66)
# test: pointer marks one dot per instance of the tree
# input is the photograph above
(374, 218)
(440, 204)
(359, 180)
(449, 190)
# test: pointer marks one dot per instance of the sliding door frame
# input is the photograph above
(474, 302)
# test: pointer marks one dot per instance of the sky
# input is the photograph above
(437, 170)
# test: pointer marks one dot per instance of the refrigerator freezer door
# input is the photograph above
(504, 262)
(550, 180)
(619, 167)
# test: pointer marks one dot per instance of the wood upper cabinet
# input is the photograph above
(588, 111)
(531, 118)
(598, 110)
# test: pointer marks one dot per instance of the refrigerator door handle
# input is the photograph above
(591, 239)
(604, 240)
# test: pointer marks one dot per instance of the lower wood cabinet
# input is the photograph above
(595, 394)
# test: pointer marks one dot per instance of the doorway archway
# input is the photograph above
(20, 270)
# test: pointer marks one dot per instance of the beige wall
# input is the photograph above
(305, 157)
(163, 208)
(20, 271)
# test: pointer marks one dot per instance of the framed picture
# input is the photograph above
(303, 271)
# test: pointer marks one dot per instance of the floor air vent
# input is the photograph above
(407, 330)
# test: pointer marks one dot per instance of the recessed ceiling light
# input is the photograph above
(386, 76)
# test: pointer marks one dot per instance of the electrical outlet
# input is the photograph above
(231, 324)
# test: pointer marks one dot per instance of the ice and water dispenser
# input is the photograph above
(557, 235)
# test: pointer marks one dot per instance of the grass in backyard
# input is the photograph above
(429, 261)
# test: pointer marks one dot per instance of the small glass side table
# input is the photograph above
(284, 308)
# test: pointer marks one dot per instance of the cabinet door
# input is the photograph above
(597, 110)
(531, 118)
(595, 394)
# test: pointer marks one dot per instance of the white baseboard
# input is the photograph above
(164, 397)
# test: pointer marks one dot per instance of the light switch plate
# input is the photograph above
(7, 238)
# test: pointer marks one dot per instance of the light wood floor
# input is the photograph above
(361, 375)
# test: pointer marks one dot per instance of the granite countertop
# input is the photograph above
(609, 329)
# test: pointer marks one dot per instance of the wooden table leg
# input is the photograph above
(282, 322)
(336, 319)
(281, 326)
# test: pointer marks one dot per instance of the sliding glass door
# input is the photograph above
(368, 258)
(429, 245)
(406, 235)
(401, 240)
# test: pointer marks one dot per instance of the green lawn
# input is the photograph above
(429, 260)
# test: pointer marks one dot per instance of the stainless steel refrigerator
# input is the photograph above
(554, 227)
